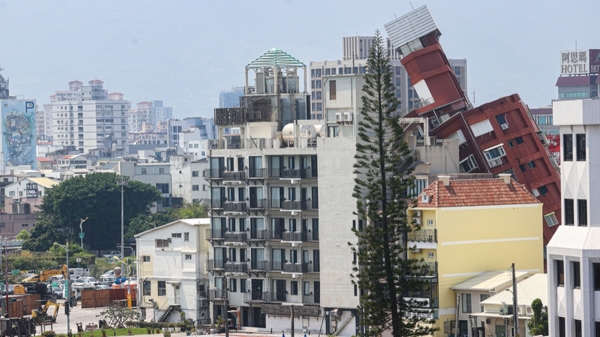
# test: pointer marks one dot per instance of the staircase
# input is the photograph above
(167, 313)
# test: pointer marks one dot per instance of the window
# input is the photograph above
(147, 288)
(186, 236)
(468, 164)
(466, 303)
(596, 271)
(510, 143)
(494, 152)
(243, 285)
(176, 235)
(144, 171)
(188, 256)
(580, 143)
(561, 327)
(195, 187)
(567, 147)
(456, 70)
(576, 274)
(332, 90)
(543, 190)
(163, 188)
(194, 173)
(582, 212)
(160, 243)
(522, 167)
(577, 328)
(483, 297)
(551, 219)
(560, 272)
(294, 288)
(519, 140)
(306, 290)
(531, 164)
(332, 131)
(316, 263)
(569, 212)
(145, 258)
(430, 255)
(501, 119)
(233, 285)
(162, 288)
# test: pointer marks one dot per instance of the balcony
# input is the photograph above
(234, 176)
(429, 268)
(295, 236)
(257, 236)
(216, 204)
(310, 299)
(289, 205)
(257, 173)
(258, 204)
(216, 295)
(216, 234)
(277, 296)
(215, 265)
(296, 268)
(258, 266)
(293, 174)
(235, 237)
(256, 296)
(276, 266)
(236, 267)
(212, 174)
(234, 207)
(423, 235)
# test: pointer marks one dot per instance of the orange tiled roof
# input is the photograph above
(476, 192)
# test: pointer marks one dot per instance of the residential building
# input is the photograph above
(171, 270)
(206, 127)
(497, 137)
(43, 124)
(489, 222)
(492, 302)
(19, 130)
(88, 117)
(141, 118)
(74, 161)
(161, 113)
(230, 99)
(156, 174)
(189, 184)
(574, 252)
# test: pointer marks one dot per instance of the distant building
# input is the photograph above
(161, 113)
(231, 99)
(205, 126)
(43, 124)
(88, 117)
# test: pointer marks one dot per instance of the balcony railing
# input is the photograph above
(212, 174)
(234, 175)
(276, 266)
(290, 205)
(295, 267)
(236, 267)
(235, 206)
(277, 296)
(256, 296)
(258, 266)
(216, 233)
(257, 235)
(235, 236)
(429, 268)
(295, 236)
(426, 235)
(310, 299)
(257, 173)
(312, 236)
(216, 294)
(258, 203)
(217, 203)
(215, 265)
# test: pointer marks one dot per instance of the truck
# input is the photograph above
(39, 283)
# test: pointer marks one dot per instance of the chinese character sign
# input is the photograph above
(574, 62)
(594, 61)
(18, 133)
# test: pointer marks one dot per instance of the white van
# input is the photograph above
(75, 273)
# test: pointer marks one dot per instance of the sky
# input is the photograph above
(186, 52)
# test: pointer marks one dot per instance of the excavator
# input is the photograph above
(40, 315)
(38, 284)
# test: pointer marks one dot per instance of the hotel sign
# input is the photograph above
(574, 62)
(594, 61)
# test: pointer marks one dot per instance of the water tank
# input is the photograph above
(308, 131)
(318, 129)
(288, 133)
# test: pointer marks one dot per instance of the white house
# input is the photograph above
(23, 196)
(171, 269)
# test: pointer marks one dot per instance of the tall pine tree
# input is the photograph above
(383, 167)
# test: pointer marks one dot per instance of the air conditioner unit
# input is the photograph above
(495, 162)
(535, 192)
(348, 117)
(417, 221)
(416, 214)
(339, 117)
(504, 126)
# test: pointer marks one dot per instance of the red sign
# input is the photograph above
(554, 146)
(594, 61)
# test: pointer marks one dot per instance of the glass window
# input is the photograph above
(162, 288)
(569, 212)
(294, 287)
(582, 212)
(576, 274)
(466, 303)
(581, 150)
(560, 272)
(318, 72)
(332, 71)
(596, 267)
(567, 147)
(332, 90)
(147, 288)
(519, 140)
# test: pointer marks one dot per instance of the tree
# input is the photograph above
(383, 161)
(42, 236)
(538, 324)
(23, 235)
(97, 197)
(144, 222)
(116, 315)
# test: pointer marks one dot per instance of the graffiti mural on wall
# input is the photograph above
(18, 133)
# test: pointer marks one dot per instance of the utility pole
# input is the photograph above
(292, 314)
(122, 181)
(6, 278)
(515, 302)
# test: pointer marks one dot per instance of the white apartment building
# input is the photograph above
(88, 117)
(188, 181)
(141, 118)
(43, 123)
(171, 269)
(573, 254)
(155, 174)
(161, 113)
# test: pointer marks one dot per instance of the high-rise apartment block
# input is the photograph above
(231, 99)
(88, 117)
(161, 113)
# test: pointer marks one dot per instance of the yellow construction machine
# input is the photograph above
(40, 315)
(38, 284)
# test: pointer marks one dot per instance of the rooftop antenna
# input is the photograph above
(575, 44)
(411, 5)
(473, 97)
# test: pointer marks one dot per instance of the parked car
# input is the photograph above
(84, 282)
(112, 255)
(102, 287)
(58, 292)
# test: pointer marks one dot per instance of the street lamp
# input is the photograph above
(68, 286)
(81, 233)
(122, 181)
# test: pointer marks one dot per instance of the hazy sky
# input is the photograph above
(186, 52)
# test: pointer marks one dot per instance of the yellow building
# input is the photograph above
(468, 227)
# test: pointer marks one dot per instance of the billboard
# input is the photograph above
(594, 61)
(574, 62)
(18, 132)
